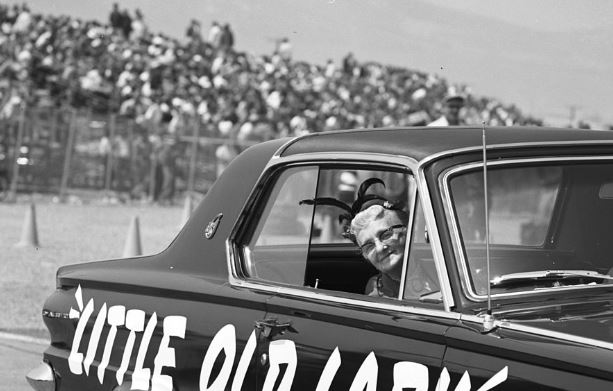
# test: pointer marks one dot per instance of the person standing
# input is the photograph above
(115, 19)
(126, 24)
(194, 31)
(214, 36)
(452, 112)
(227, 37)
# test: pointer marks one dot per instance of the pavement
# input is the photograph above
(18, 354)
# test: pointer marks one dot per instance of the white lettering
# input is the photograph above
(225, 340)
(117, 314)
(135, 322)
(464, 384)
(95, 338)
(410, 375)
(75, 359)
(367, 375)
(243, 364)
(325, 380)
(140, 376)
(281, 351)
(498, 378)
(79, 296)
(443, 381)
(73, 314)
(174, 326)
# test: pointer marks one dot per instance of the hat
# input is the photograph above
(454, 97)
(362, 202)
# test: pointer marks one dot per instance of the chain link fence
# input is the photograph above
(59, 151)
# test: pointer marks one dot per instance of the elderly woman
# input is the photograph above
(379, 228)
(381, 235)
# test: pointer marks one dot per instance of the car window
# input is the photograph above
(521, 203)
(301, 236)
(279, 247)
(550, 226)
(343, 184)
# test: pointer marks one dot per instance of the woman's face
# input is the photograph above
(382, 243)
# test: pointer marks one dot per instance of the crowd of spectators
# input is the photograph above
(166, 85)
(163, 82)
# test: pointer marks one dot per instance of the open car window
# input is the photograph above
(300, 238)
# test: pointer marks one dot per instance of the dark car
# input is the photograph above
(264, 288)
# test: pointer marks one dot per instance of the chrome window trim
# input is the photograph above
(458, 249)
(412, 202)
(286, 145)
(329, 297)
(509, 325)
(350, 158)
(435, 239)
(527, 144)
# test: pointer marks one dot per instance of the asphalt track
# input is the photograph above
(18, 354)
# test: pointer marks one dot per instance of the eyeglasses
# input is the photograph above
(384, 237)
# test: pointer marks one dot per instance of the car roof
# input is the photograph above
(421, 142)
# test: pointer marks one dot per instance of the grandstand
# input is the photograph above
(123, 103)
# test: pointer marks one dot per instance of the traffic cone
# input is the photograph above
(29, 232)
(187, 210)
(133, 247)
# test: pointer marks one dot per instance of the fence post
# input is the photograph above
(152, 169)
(72, 130)
(54, 124)
(132, 156)
(193, 158)
(12, 196)
(109, 156)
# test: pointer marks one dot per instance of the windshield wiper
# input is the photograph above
(555, 277)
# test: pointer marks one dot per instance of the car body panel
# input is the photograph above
(357, 333)
(545, 361)
(195, 319)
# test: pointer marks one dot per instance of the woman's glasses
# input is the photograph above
(384, 237)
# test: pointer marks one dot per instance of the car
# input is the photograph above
(505, 284)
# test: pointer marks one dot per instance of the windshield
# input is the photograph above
(555, 220)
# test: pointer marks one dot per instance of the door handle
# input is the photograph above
(270, 328)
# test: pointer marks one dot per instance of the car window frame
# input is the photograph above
(264, 202)
(451, 217)
(238, 278)
(255, 229)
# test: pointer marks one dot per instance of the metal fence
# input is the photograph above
(61, 150)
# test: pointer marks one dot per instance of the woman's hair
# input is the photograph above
(365, 217)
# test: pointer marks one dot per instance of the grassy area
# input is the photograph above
(68, 234)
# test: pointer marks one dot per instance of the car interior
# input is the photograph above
(302, 245)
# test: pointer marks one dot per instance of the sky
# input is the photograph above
(548, 57)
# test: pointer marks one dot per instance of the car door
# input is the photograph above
(321, 331)
(504, 359)
(336, 345)
(351, 341)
